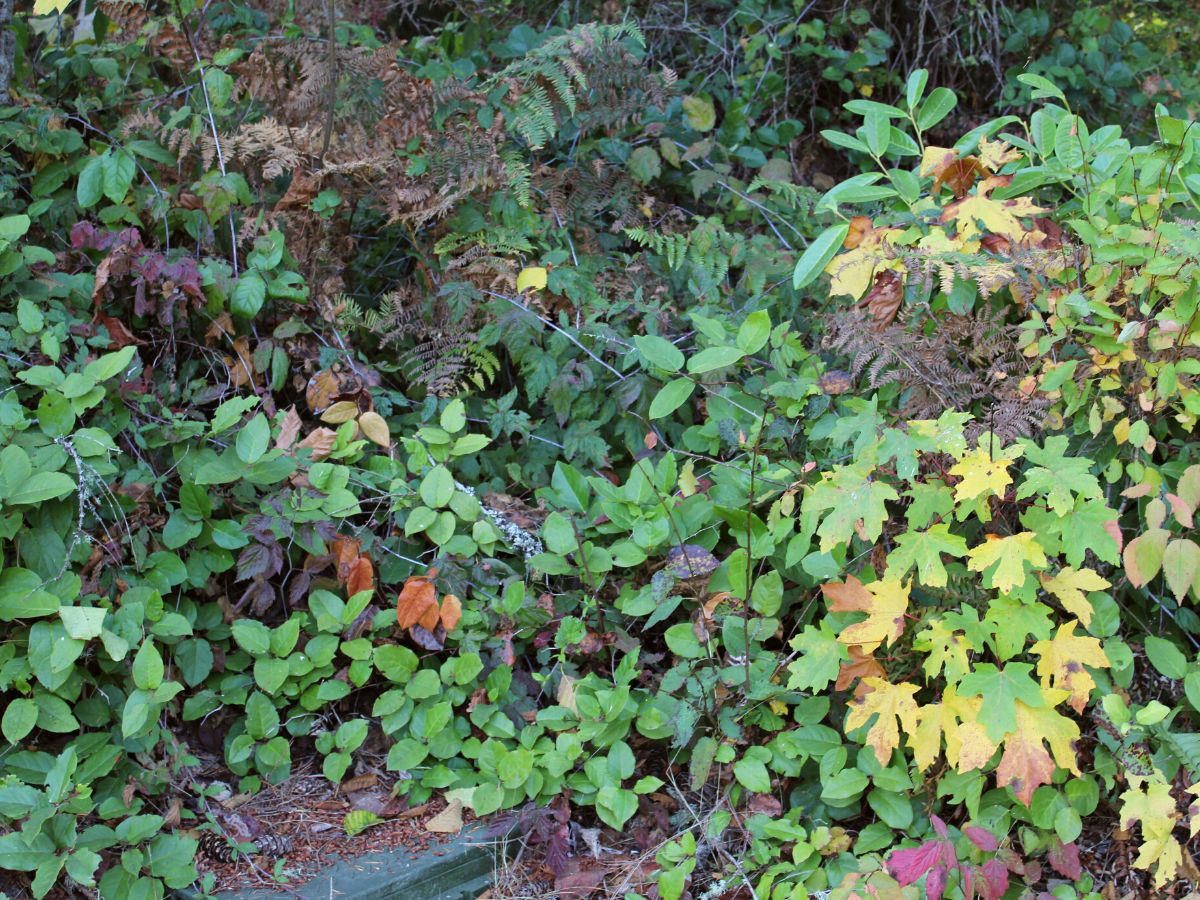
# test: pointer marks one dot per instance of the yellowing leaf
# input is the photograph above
(531, 278)
(1008, 555)
(1154, 809)
(342, 411)
(1026, 765)
(934, 159)
(968, 746)
(947, 649)
(1069, 586)
(893, 703)
(981, 475)
(998, 216)
(1062, 660)
(885, 603)
(375, 428)
(854, 272)
(46, 7)
(995, 154)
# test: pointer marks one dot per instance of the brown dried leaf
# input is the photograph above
(448, 821)
(885, 298)
(320, 441)
(289, 429)
(359, 783)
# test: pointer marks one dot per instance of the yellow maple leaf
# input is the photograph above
(885, 602)
(1009, 555)
(46, 7)
(1025, 764)
(982, 474)
(1061, 663)
(995, 154)
(1154, 809)
(853, 272)
(1069, 586)
(998, 216)
(955, 718)
(893, 703)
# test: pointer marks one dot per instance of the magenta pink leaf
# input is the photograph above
(939, 826)
(995, 879)
(935, 884)
(981, 838)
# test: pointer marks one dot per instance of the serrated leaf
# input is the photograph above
(1180, 565)
(1061, 663)
(1025, 764)
(896, 709)
(885, 603)
(1069, 586)
(1007, 557)
(821, 655)
(924, 550)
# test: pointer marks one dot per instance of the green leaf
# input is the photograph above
(1000, 689)
(253, 439)
(820, 658)
(673, 395)
(262, 719)
(20, 716)
(1181, 565)
(29, 317)
(615, 806)
(924, 550)
(91, 183)
(752, 775)
(40, 487)
(754, 332)
(1043, 88)
(118, 170)
(1166, 657)
(148, 668)
(644, 164)
(819, 253)
(252, 636)
(936, 107)
(659, 352)
(359, 820)
(248, 295)
(82, 623)
(110, 364)
(914, 88)
(714, 358)
(437, 487)
(699, 113)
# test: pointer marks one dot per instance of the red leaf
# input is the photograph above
(908, 865)
(1064, 859)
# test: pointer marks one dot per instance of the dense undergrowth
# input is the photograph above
(657, 419)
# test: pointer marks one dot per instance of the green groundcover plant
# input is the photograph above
(516, 413)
